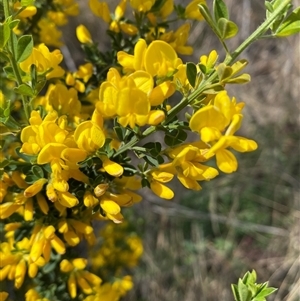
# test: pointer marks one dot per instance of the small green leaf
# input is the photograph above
(27, 2)
(208, 18)
(241, 79)
(191, 73)
(243, 291)
(238, 66)
(220, 10)
(24, 47)
(31, 179)
(228, 29)
(4, 34)
(145, 183)
(14, 23)
(157, 5)
(235, 292)
(291, 25)
(266, 292)
(224, 72)
(151, 161)
(4, 163)
(37, 171)
(39, 86)
(9, 72)
(4, 57)
(24, 89)
(175, 137)
(119, 132)
(269, 6)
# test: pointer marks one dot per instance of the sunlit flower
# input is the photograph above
(79, 277)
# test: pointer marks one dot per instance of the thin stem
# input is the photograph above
(260, 31)
(13, 62)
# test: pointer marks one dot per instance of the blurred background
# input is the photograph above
(196, 245)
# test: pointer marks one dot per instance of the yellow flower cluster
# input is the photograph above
(73, 154)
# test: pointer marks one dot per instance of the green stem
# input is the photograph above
(13, 62)
(260, 31)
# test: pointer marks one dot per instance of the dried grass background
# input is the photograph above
(200, 243)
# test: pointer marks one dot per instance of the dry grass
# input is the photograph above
(198, 244)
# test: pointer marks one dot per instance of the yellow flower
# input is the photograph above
(100, 9)
(41, 241)
(226, 160)
(116, 96)
(28, 12)
(74, 230)
(49, 33)
(142, 5)
(45, 62)
(35, 188)
(15, 262)
(89, 136)
(33, 295)
(192, 10)
(161, 59)
(166, 9)
(180, 38)
(209, 61)
(211, 120)
(83, 35)
(157, 180)
(78, 277)
(136, 61)
(3, 296)
(62, 100)
(112, 168)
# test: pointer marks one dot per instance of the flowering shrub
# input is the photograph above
(72, 149)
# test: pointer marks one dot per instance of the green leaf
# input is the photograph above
(228, 29)
(24, 47)
(151, 161)
(119, 132)
(243, 291)
(13, 46)
(11, 124)
(4, 163)
(37, 171)
(14, 23)
(4, 34)
(157, 5)
(4, 57)
(238, 66)
(24, 89)
(291, 24)
(249, 278)
(27, 2)
(175, 137)
(9, 72)
(39, 86)
(208, 18)
(242, 79)
(224, 71)
(153, 145)
(191, 73)
(220, 10)
(26, 158)
(269, 6)
(145, 183)
(235, 292)
(265, 292)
